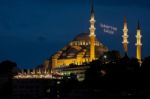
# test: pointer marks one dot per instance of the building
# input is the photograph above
(77, 52)
(85, 47)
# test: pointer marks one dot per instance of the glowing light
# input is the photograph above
(37, 76)
(105, 56)
(108, 28)
(103, 72)
(58, 82)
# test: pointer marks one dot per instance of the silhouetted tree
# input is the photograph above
(145, 73)
(6, 67)
(145, 67)
(6, 73)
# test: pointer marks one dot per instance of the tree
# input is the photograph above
(6, 71)
(6, 67)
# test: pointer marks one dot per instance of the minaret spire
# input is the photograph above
(138, 43)
(92, 33)
(125, 36)
(92, 7)
(138, 26)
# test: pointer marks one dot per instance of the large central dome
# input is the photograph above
(80, 44)
(82, 37)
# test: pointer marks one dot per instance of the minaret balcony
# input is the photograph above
(138, 44)
(125, 42)
(92, 35)
(125, 36)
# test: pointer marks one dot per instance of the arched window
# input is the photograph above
(83, 43)
(80, 42)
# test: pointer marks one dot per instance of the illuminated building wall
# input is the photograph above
(77, 52)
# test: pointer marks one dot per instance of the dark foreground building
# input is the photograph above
(35, 88)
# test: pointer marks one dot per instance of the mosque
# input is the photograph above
(83, 49)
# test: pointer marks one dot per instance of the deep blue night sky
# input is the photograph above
(32, 30)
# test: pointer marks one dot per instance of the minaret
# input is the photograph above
(138, 43)
(125, 36)
(92, 34)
